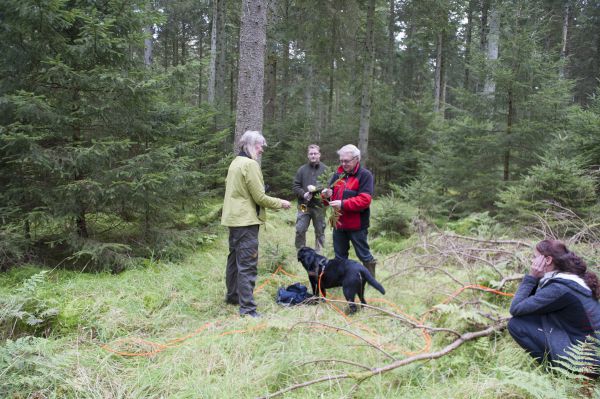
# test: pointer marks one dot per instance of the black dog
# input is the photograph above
(348, 274)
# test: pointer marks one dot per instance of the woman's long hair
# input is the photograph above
(568, 262)
(248, 142)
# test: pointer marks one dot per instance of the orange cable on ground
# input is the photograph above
(176, 341)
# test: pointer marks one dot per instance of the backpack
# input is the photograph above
(292, 295)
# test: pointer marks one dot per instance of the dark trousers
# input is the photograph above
(317, 215)
(528, 333)
(240, 275)
(342, 240)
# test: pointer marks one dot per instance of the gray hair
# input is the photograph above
(249, 140)
(313, 147)
(350, 149)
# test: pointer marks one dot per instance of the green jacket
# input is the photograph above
(245, 198)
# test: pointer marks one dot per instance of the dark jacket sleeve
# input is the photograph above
(550, 298)
(297, 185)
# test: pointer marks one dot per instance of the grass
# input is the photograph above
(235, 357)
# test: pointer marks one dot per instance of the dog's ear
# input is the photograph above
(309, 257)
(301, 253)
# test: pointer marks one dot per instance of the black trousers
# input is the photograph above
(240, 275)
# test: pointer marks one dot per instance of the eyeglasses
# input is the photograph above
(347, 161)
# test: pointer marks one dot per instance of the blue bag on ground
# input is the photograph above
(292, 295)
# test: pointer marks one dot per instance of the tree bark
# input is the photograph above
(468, 42)
(365, 105)
(285, 65)
(334, 23)
(253, 34)
(391, 48)
(438, 72)
(565, 36)
(148, 40)
(270, 87)
(509, 124)
(492, 52)
(216, 80)
(200, 68)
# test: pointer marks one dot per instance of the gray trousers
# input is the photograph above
(317, 215)
(240, 276)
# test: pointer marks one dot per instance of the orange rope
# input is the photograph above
(158, 347)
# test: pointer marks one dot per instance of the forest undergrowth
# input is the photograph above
(163, 330)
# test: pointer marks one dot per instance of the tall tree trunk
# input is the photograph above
(438, 72)
(148, 40)
(391, 43)
(483, 32)
(200, 68)
(308, 95)
(332, 54)
(285, 65)
(365, 104)
(175, 46)
(165, 37)
(215, 49)
(253, 36)
(270, 87)
(492, 52)
(183, 43)
(565, 36)
(234, 71)
(509, 124)
(468, 42)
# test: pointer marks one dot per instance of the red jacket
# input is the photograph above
(355, 190)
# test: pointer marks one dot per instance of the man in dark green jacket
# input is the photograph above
(243, 212)
(309, 204)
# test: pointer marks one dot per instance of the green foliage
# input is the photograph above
(581, 360)
(393, 217)
(427, 195)
(24, 311)
(32, 367)
(476, 224)
(86, 131)
(561, 181)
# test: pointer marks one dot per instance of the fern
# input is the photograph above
(581, 360)
(533, 384)
(24, 310)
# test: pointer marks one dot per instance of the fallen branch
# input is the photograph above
(360, 377)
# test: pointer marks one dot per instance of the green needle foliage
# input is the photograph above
(85, 131)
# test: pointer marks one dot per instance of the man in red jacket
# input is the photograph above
(350, 194)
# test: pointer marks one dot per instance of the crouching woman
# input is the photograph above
(556, 305)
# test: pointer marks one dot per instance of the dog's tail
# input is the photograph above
(371, 280)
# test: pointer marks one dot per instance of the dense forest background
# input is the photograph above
(117, 118)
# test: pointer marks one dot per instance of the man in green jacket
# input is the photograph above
(243, 212)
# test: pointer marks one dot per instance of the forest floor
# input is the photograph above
(163, 330)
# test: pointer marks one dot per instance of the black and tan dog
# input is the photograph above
(348, 274)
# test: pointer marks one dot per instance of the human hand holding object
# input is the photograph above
(336, 204)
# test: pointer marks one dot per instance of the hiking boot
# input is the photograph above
(230, 301)
(253, 314)
(370, 265)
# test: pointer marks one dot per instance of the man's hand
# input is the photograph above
(336, 204)
(285, 204)
(308, 196)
